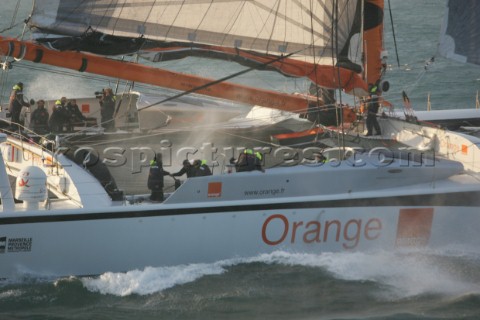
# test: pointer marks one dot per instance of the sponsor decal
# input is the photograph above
(85, 108)
(414, 227)
(214, 189)
(464, 149)
(277, 229)
(15, 244)
(3, 244)
(24, 181)
(264, 192)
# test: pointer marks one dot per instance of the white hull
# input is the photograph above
(353, 204)
(365, 202)
(94, 246)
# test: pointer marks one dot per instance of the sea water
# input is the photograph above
(379, 285)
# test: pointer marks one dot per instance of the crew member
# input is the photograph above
(186, 169)
(155, 178)
(248, 161)
(15, 109)
(57, 118)
(73, 114)
(372, 110)
(13, 94)
(201, 169)
(107, 109)
(39, 119)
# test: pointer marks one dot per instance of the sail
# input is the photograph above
(460, 32)
(375, 55)
(320, 40)
(311, 31)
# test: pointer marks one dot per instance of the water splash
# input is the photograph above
(399, 275)
(149, 280)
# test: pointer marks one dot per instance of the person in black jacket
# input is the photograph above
(248, 161)
(39, 118)
(201, 169)
(73, 114)
(57, 118)
(186, 169)
(107, 109)
(15, 109)
(155, 178)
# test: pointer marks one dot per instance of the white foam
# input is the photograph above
(11, 293)
(149, 280)
(400, 274)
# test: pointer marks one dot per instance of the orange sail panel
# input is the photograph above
(373, 40)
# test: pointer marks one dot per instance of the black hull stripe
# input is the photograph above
(458, 199)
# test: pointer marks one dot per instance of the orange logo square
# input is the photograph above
(414, 227)
(85, 108)
(214, 189)
(464, 149)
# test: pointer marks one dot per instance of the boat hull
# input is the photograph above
(94, 243)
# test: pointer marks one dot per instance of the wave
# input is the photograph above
(397, 275)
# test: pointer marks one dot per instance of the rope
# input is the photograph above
(393, 32)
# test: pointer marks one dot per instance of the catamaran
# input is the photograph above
(61, 220)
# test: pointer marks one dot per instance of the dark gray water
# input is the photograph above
(380, 285)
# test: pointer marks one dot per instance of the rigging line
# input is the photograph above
(273, 24)
(426, 66)
(339, 114)
(221, 80)
(175, 19)
(393, 32)
(13, 24)
(109, 7)
(235, 13)
(315, 68)
(332, 37)
(15, 12)
(11, 27)
(204, 16)
(118, 18)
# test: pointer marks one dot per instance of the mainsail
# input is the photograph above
(459, 36)
(321, 40)
(273, 27)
